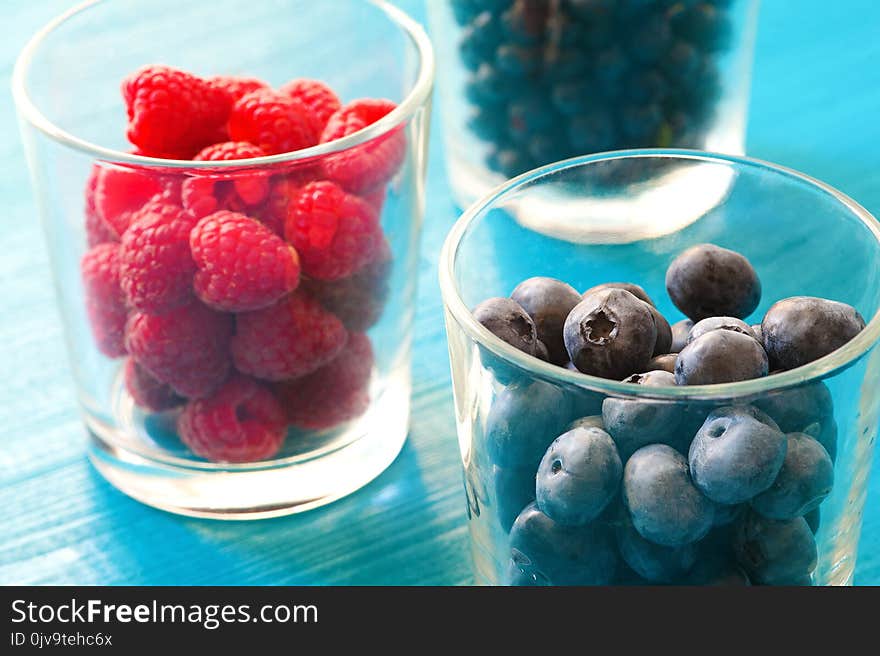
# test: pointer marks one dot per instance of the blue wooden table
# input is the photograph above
(815, 107)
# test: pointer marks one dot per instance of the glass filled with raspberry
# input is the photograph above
(232, 198)
(695, 409)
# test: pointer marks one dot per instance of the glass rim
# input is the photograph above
(415, 99)
(455, 306)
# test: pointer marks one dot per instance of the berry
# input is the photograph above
(665, 362)
(105, 302)
(320, 99)
(172, 112)
(119, 192)
(337, 392)
(251, 187)
(509, 322)
(282, 193)
(653, 562)
(680, 332)
(289, 339)
(736, 454)
(578, 476)
(775, 552)
(156, 267)
(273, 121)
(548, 302)
(663, 503)
(719, 323)
(802, 329)
(635, 290)
(591, 421)
(148, 392)
(710, 281)
(97, 230)
(241, 422)
(335, 233)
(721, 356)
(664, 331)
(235, 87)
(242, 265)
(362, 168)
(610, 334)
(805, 409)
(187, 348)
(513, 489)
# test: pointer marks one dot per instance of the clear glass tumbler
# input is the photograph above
(200, 399)
(802, 237)
(529, 82)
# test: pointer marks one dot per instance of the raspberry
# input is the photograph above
(187, 348)
(363, 168)
(335, 233)
(173, 112)
(119, 192)
(316, 96)
(274, 122)
(273, 212)
(376, 199)
(335, 393)
(235, 87)
(147, 392)
(292, 338)
(97, 230)
(252, 187)
(241, 422)
(242, 264)
(358, 301)
(105, 302)
(156, 266)
(197, 195)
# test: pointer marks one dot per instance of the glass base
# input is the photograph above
(259, 490)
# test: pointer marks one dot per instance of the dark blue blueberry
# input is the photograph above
(796, 408)
(649, 41)
(565, 66)
(513, 490)
(509, 162)
(519, 61)
(590, 421)
(610, 68)
(664, 332)
(653, 562)
(716, 570)
(488, 88)
(801, 329)
(640, 124)
(548, 147)
(682, 61)
(479, 39)
(505, 319)
(590, 132)
(541, 351)
(465, 11)
(664, 505)
(775, 552)
(737, 454)
(680, 331)
(529, 116)
(524, 419)
(637, 423)
(727, 514)
(578, 476)
(703, 25)
(710, 281)
(588, 10)
(574, 98)
(548, 302)
(720, 356)
(584, 402)
(562, 555)
(610, 334)
(804, 481)
(665, 362)
(644, 87)
(486, 124)
(756, 330)
(524, 22)
(719, 323)
(813, 519)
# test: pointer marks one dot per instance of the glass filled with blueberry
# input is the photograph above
(697, 408)
(232, 210)
(530, 82)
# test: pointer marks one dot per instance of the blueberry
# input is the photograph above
(682, 60)
(710, 281)
(717, 570)
(645, 87)
(562, 555)
(519, 576)
(737, 454)
(653, 562)
(548, 302)
(479, 38)
(801, 329)
(591, 132)
(591, 421)
(578, 476)
(664, 332)
(487, 87)
(663, 503)
(573, 98)
(804, 481)
(519, 61)
(813, 519)
(796, 408)
(636, 290)
(506, 320)
(680, 331)
(610, 334)
(720, 356)
(650, 40)
(757, 332)
(719, 323)
(513, 489)
(541, 351)
(636, 423)
(775, 552)
(484, 123)
(524, 21)
(510, 162)
(639, 124)
(528, 116)
(727, 514)
(524, 419)
(665, 362)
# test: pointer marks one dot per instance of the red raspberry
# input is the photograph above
(252, 186)
(335, 233)
(235, 87)
(359, 300)
(147, 392)
(188, 348)
(119, 192)
(363, 168)
(173, 112)
(273, 212)
(376, 199)
(105, 302)
(242, 264)
(337, 392)
(156, 266)
(241, 422)
(316, 96)
(97, 230)
(292, 338)
(274, 122)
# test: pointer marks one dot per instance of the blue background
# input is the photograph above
(815, 107)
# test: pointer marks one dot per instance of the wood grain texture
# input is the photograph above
(815, 103)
